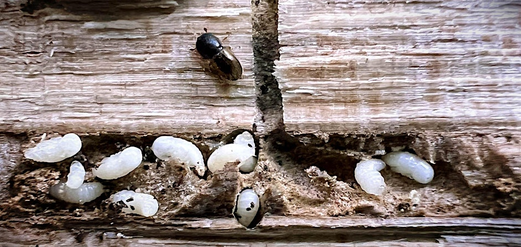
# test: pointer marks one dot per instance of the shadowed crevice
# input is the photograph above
(266, 50)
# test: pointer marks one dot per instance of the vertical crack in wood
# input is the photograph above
(269, 115)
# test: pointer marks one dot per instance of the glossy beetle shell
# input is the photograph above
(223, 61)
(208, 45)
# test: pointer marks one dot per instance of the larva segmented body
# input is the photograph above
(410, 165)
(76, 175)
(179, 150)
(136, 203)
(367, 174)
(229, 153)
(85, 193)
(247, 207)
(55, 149)
(242, 150)
(119, 164)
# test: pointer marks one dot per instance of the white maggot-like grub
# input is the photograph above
(245, 138)
(410, 165)
(119, 164)
(170, 148)
(248, 165)
(242, 150)
(136, 203)
(85, 193)
(232, 153)
(247, 207)
(76, 175)
(367, 174)
(55, 149)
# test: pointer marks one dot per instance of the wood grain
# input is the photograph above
(9, 158)
(276, 231)
(77, 68)
(373, 66)
(440, 78)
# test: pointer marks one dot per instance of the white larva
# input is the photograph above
(415, 197)
(410, 165)
(179, 150)
(232, 153)
(76, 175)
(248, 165)
(55, 149)
(367, 174)
(85, 193)
(245, 138)
(119, 164)
(247, 206)
(242, 150)
(136, 203)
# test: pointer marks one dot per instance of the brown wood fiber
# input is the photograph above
(326, 84)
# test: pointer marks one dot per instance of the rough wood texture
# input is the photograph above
(78, 68)
(266, 51)
(356, 78)
(373, 66)
(281, 231)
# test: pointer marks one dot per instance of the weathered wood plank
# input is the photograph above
(9, 158)
(436, 77)
(76, 68)
(373, 66)
(316, 231)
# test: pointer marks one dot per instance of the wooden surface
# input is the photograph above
(373, 66)
(345, 79)
(283, 231)
(76, 68)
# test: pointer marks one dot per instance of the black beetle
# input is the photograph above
(223, 61)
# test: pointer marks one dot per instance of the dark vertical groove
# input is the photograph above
(266, 50)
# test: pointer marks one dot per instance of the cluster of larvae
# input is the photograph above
(167, 148)
(241, 151)
(367, 173)
(75, 190)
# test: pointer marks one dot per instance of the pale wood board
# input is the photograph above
(282, 231)
(441, 78)
(76, 68)
(380, 66)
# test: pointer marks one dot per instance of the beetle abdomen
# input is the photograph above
(223, 62)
